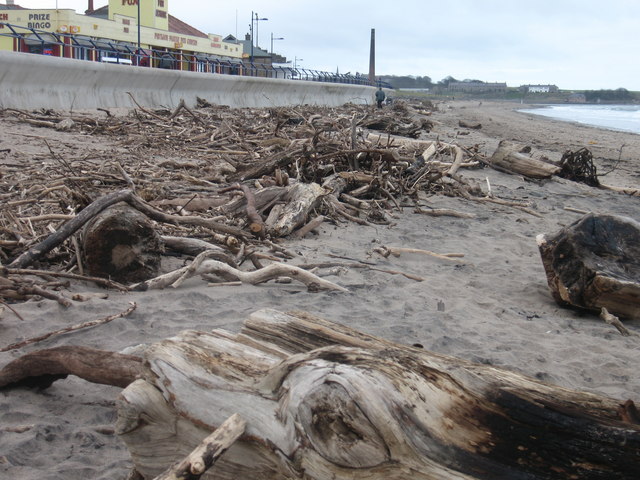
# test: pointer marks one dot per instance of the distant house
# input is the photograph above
(540, 88)
(477, 87)
(250, 52)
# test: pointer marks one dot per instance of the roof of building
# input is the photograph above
(178, 26)
(102, 12)
(11, 7)
(175, 24)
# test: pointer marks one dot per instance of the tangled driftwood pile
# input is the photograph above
(212, 178)
(226, 181)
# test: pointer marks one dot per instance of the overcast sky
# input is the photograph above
(574, 44)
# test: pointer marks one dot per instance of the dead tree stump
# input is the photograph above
(323, 401)
(595, 263)
(120, 243)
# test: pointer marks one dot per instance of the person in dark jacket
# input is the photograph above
(380, 96)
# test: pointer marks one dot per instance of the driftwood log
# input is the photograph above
(121, 243)
(301, 199)
(506, 158)
(323, 401)
(595, 263)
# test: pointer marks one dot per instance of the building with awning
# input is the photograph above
(114, 31)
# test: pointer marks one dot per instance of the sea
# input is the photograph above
(625, 118)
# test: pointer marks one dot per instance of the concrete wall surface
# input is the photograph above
(29, 81)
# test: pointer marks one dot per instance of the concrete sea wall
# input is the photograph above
(29, 81)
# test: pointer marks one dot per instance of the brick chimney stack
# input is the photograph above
(90, 7)
(372, 57)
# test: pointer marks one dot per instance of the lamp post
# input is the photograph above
(138, 3)
(251, 38)
(272, 39)
(257, 31)
(254, 18)
(295, 62)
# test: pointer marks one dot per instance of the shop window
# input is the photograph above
(80, 53)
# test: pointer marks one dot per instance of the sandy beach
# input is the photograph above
(494, 307)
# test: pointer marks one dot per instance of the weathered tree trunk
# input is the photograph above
(595, 263)
(301, 199)
(323, 401)
(506, 158)
(120, 243)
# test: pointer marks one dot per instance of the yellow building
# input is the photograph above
(111, 34)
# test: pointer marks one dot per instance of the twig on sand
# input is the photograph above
(615, 321)
(104, 282)
(202, 458)
(575, 210)
(72, 328)
(12, 309)
(396, 251)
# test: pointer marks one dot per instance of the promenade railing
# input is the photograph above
(82, 47)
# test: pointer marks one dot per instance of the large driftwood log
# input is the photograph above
(323, 401)
(121, 243)
(506, 158)
(595, 263)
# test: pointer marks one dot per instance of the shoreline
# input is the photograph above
(493, 308)
(612, 149)
(532, 110)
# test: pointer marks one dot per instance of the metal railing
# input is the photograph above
(82, 47)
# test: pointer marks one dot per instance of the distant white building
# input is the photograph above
(541, 88)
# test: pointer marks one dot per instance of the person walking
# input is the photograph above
(380, 96)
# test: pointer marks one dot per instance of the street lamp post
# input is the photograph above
(138, 2)
(295, 62)
(254, 18)
(257, 31)
(251, 37)
(272, 39)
